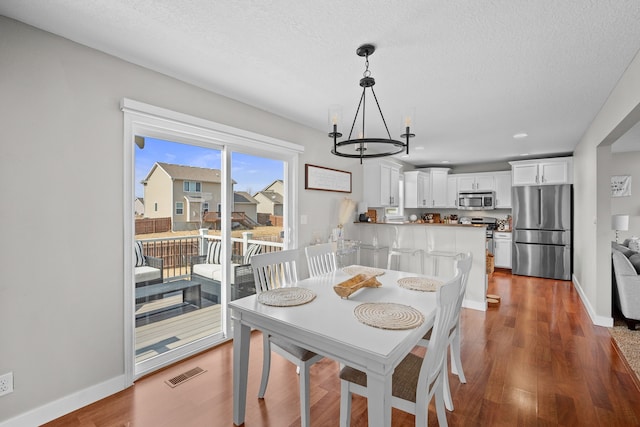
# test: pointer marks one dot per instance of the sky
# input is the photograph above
(251, 173)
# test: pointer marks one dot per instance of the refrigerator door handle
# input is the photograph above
(539, 206)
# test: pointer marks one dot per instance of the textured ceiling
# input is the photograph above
(477, 72)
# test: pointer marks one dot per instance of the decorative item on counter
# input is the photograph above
(413, 217)
(372, 214)
(362, 212)
(453, 219)
(430, 218)
(510, 222)
(347, 207)
(502, 224)
(346, 288)
(436, 218)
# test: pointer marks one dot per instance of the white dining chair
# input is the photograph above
(276, 270)
(321, 259)
(463, 265)
(415, 380)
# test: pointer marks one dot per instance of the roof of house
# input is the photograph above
(273, 196)
(270, 185)
(243, 197)
(188, 173)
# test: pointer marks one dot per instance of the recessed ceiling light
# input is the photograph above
(419, 148)
(520, 135)
(524, 154)
(404, 156)
(445, 161)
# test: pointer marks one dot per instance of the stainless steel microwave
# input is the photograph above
(476, 200)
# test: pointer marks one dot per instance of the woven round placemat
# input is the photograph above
(423, 284)
(286, 297)
(387, 315)
(353, 270)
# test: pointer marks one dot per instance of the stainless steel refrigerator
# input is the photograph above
(542, 222)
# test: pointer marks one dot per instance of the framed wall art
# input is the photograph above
(326, 179)
(620, 186)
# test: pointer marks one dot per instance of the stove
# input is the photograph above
(490, 222)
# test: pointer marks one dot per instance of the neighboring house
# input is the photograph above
(182, 193)
(270, 199)
(138, 206)
(243, 202)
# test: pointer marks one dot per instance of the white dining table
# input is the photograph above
(327, 325)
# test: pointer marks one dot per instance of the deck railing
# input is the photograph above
(176, 252)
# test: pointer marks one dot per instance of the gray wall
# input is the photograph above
(628, 164)
(592, 192)
(61, 277)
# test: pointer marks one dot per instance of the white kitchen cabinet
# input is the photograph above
(502, 249)
(503, 190)
(476, 182)
(426, 188)
(381, 184)
(439, 189)
(542, 171)
(417, 189)
(452, 191)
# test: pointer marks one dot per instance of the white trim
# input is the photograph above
(52, 410)
(219, 132)
(607, 322)
(156, 122)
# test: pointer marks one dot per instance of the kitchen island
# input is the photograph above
(439, 243)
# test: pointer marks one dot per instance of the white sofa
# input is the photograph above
(626, 266)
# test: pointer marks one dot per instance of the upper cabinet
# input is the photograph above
(503, 190)
(452, 191)
(476, 182)
(542, 171)
(426, 188)
(381, 184)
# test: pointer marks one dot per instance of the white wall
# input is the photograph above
(61, 133)
(628, 164)
(592, 205)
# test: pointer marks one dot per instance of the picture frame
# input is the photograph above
(326, 179)
(621, 186)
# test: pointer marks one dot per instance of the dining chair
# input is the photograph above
(415, 380)
(276, 270)
(463, 265)
(321, 259)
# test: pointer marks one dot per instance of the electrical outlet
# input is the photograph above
(6, 383)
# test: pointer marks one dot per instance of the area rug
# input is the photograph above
(628, 342)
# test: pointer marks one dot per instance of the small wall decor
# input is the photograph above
(620, 186)
(327, 179)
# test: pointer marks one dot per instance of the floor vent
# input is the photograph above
(179, 379)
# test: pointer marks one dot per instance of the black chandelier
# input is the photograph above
(384, 146)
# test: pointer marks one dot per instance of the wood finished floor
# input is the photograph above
(535, 359)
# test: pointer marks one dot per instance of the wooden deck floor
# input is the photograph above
(163, 335)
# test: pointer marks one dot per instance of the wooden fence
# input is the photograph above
(153, 225)
(268, 219)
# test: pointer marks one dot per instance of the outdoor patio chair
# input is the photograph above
(147, 269)
(207, 269)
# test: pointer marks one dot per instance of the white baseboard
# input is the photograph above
(475, 305)
(64, 405)
(597, 320)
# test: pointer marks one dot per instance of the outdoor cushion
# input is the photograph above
(214, 252)
(137, 248)
(146, 273)
(253, 249)
(213, 271)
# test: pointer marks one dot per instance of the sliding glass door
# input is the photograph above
(186, 269)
